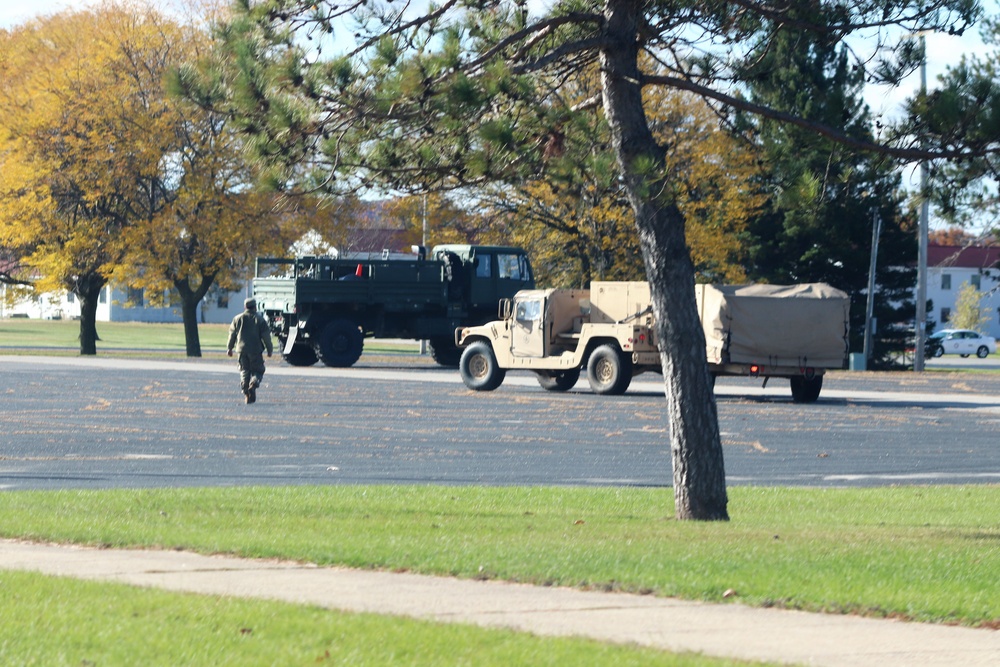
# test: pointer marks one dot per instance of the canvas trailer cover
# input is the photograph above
(803, 325)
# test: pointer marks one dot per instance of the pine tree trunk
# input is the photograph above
(699, 476)
(695, 444)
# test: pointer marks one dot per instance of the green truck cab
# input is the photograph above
(322, 309)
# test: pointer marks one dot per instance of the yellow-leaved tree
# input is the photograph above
(108, 177)
(213, 221)
(82, 131)
(445, 221)
(718, 192)
(970, 313)
(580, 226)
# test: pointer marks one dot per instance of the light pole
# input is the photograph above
(870, 305)
(423, 242)
(921, 323)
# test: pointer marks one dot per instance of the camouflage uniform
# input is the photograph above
(249, 336)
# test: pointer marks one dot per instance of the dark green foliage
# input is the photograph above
(818, 225)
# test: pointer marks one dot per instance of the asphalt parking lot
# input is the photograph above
(99, 422)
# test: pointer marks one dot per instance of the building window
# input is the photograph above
(223, 301)
(103, 297)
(135, 296)
(945, 315)
(70, 297)
(945, 281)
(975, 279)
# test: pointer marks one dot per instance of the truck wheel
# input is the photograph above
(301, 355)
(558, 380)
(806, 390)
(479, 369)
(445, 352)
(340, 343)
(609, 371)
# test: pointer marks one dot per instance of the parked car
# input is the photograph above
(960, 341)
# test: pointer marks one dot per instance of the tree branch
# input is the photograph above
(832, 133)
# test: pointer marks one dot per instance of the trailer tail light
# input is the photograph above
(754, 370)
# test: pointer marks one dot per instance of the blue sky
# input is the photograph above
(14, 12)
(943, 50)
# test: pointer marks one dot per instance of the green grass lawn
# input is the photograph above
(22, 336)
(924, 553)
(53, 622)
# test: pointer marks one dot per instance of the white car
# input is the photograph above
(960, 341)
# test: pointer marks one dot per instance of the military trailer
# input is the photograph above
(797, 332)
(323, 308)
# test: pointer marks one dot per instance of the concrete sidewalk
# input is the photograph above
(730, 630)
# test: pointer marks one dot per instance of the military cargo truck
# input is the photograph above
(797, 332)
(324, 308)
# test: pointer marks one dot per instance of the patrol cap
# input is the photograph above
(250, 304)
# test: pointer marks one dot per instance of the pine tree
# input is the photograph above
(825, 197)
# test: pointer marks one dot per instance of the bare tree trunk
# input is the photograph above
(190, 298)
(192, 339)
(699, 476)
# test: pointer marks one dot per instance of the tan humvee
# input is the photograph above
(796, 331)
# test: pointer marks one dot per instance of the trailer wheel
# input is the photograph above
(558, 380)
(301, 355)
(340, 343)
(609, 371)
(445, 352)
(806, 390)
(479, 369)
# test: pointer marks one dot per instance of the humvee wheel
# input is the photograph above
(609, 371)
(806, 390)
(301, 355)
(340, 343)
(479, 369)
(558, 380)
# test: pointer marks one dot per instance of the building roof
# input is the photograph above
(963, 257)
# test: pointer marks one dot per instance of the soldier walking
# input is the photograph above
(249, 336)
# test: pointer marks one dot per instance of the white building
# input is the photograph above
(951, 267)
(116, 304)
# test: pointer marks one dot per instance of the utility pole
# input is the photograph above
(921, 323)
(870, 305)
(423, 242)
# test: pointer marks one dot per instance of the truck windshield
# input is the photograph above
(529, 311)
(513, 266)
